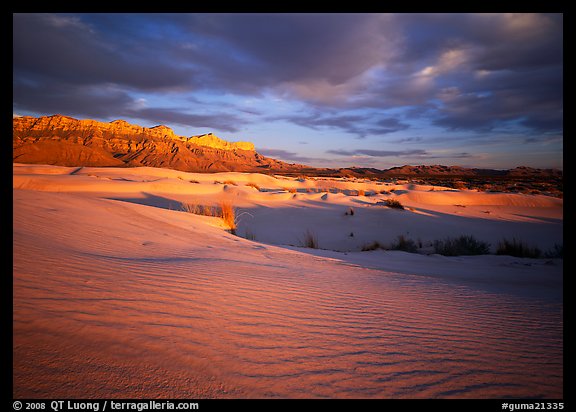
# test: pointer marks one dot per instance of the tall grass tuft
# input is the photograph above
(463, 245)
(229, 216)
(517, 248)
(225, 210)
(404, 244)
(203, 210)
(372, 246)
(310, 240)
(556, 252)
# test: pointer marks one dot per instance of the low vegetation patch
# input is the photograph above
(517, 248)
(461, 246)
(372, 246)
(229, 216)
(404, 244)
(230, 182)
(202, 210)
(310, 240)
(349, 212)
(393, 203)
(225, 211)
(401, 243)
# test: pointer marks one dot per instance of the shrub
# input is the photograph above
(361, 192)
(310, 240)
(393, 203)
(372, 246)
(463, 245)
(202, 210)
(254, 185)
(229, 216)
(459, 185)
(517, 248)
(226, 211)
(230, 182)
(349, 212)
(556, 252)
(194, 181)
(404, 244)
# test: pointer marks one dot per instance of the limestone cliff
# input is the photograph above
(63, 140)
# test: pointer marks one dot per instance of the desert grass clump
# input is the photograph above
(225, 210)
(230, 182)
(361, 192)
(254, 185)
(310, 240)
(404, 244)
(202, 210)
(461, 246)
(349, 212)
(517, 248)
(194, 181)
(228, 215)
(556, 252)
(394, 204)
(372, 246)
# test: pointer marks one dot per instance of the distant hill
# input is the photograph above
(458, 171)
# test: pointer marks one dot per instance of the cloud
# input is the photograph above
(413, 139)
(414, 153)
(363, 74)
(221, 121)
(359, 125)
(55, 97)
(57, 48)
(378, 153)
(287, 155)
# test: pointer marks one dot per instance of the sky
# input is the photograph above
(325, 90)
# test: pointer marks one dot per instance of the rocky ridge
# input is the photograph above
(63, 140)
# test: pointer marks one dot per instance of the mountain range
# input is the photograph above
(65, 141)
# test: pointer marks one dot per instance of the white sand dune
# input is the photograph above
(118, 293)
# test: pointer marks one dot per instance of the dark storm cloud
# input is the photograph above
(359, 125)
(62, 48)
(224, 122)
(472, 72)
(293, 47)
(55, 97)
(109, 103)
